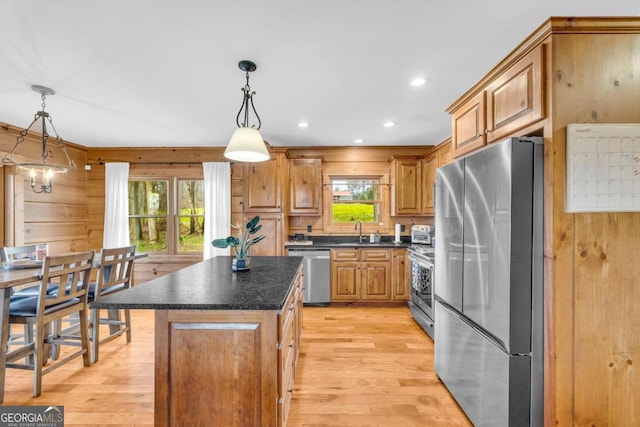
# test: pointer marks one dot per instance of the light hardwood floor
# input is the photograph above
(358, 367)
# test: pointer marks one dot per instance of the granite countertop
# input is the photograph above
(334, 242)
(211, 285)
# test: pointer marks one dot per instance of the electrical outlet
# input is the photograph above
(309, 228)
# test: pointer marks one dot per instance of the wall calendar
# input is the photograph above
(603, 168)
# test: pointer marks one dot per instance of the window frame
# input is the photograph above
(383, 224)
(173, 174)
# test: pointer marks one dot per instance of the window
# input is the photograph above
(166, 215)
(355, 199)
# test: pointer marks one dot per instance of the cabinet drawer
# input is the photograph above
(375, 255)
(284, 402)
(285, 366)
(345, 255)
(285, 317)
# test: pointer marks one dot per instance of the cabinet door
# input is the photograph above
(468, 126)
(429, 166)
(400, 275)
(262, 192)
(304, 187)
(515, 99)
(406, 191)
(271, 245)
(376, 281)
(345, 281)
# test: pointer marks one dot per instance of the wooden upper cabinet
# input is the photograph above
(468, 125)
(304, 186)
(406, 188)
(509, 102)
(429, 166)
(515, 98)
(263, 185)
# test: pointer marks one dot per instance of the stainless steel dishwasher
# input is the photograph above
(317, 275)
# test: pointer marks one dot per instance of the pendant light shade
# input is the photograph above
(246, 145)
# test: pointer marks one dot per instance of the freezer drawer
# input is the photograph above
(491, 386)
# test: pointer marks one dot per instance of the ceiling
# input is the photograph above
(164, 72)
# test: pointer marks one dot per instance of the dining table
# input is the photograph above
(9, 279)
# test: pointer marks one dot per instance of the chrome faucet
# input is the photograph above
(360, 224)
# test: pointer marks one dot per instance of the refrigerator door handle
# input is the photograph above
(493, 340)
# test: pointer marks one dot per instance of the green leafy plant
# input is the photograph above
(247, 238)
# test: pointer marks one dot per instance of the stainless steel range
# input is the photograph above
(421, 263)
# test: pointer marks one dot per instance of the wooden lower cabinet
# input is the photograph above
(227, 367)
(400, 275)
(367, 275)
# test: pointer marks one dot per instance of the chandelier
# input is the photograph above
(246, 144)
(40, 122)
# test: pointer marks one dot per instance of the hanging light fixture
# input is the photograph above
(39, 124)
(246, 144)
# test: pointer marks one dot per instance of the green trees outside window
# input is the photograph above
(166, 216)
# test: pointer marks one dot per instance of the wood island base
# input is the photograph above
(226, 367)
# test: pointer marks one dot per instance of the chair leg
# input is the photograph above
(40, 359)
(127, 319)
(84, 337)
(57, 330)
(94, 332)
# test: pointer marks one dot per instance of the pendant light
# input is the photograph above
(246, 144)
(41, 173)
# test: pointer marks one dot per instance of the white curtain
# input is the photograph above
(116, 205)
(217, 206)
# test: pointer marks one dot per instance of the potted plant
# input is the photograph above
(241, 244)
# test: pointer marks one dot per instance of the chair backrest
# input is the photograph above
(12, 253)
(116, 267)
(70, 273)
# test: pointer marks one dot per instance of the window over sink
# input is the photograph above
(355, 199)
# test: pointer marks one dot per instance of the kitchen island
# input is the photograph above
(226, 344)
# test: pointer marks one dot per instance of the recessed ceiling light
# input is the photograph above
(358, 141)
(418, 81)
(303, 125)
(389, 124)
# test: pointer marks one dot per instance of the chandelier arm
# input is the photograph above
(8, 158)
(72, 164)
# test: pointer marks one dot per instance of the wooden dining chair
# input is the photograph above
(116, 268)
(8, 255)
(11, 253)
(71, 274)
(114, 274)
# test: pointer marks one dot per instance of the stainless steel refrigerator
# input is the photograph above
(488, 283)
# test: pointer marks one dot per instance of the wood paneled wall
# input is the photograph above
(594, 257)
(59, 218)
